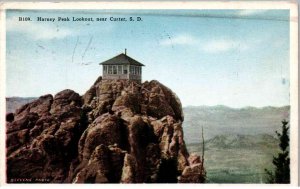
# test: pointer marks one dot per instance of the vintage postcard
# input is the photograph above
(149, 92)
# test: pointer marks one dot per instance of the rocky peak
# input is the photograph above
(150, 98)
(118, 131)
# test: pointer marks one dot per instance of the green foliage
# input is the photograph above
(282, 161)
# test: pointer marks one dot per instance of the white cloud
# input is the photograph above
(183, 39)
(37, 30)
(209, 46)
(223, 45)
(250, 12)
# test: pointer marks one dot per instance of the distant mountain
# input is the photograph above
(13, 103)
(237, 158)
(239, 143)
(260, 141)
(223, 120)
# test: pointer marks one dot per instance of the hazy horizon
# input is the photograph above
(189, 106)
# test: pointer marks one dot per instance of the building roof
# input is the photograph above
(122, 59)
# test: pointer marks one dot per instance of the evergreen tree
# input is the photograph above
(282, 161)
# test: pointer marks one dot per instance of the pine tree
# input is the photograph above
(282, 161)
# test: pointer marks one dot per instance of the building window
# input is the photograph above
(125, 71)
(119, 69)
(131, 69)
(104, 69)
(114, 69)
(109, 69)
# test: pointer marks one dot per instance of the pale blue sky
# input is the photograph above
(207, 57)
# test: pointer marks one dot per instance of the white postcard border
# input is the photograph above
(292, 6)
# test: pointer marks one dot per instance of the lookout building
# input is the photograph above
(122, 67)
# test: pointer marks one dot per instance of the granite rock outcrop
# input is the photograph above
(117, 132)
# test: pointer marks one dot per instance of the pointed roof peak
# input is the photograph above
(122, 59)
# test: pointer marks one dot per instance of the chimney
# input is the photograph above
(125, 51)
